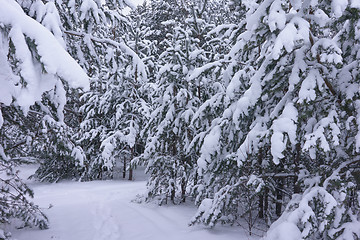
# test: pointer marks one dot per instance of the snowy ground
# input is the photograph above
(102, 210)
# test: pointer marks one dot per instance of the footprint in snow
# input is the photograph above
(104, 224)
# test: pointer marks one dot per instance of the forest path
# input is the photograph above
(103, 210)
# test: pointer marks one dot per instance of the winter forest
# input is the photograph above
(244, 112)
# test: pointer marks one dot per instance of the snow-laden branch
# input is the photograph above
(335, 174)
(138, 64)
(198, 71)
(55, 59)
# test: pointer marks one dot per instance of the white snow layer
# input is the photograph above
(56, 61)
(103, 210)
(338, 7)
(319, 132)
(209, 148)
(286, 123)
(296, 30)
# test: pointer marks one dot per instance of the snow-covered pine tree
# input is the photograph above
(294, 119)
(34, 66)
(156, 13)
(225, 190)
(211, 78)
(176, 97)
(329, 207)
(90, 30)
(62, 158)
(167, 131)
(112, 109)
(114, 116)
(59, 155)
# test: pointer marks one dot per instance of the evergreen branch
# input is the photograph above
(203, 8)
(16, 145)
(96, 39)
(72, 111)
(37, 113)
(278, 175)
(327, 82)
(338, 170)
(121, 45)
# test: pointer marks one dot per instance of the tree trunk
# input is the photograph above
(124, 168)
(130, 174)
(183, 189)
(261, 206)
(266, 202)
(279, 196)
(130, 168)
(296, 168)
(261, 197)
(172, 193)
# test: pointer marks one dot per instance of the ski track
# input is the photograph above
(102, 210)
(151, 218)
(104, 224)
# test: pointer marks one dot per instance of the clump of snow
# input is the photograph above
(328, 50)
(355, 4)
(79, 155)
(338, 7)
(298, 219)
(251, 143)
(307, 91)
(319, 134)
(321, 17)
(210, 147)
(296, 4)
(284, 231)
(252, 21)
(198, 71)
(88, 6)
(48, 15)
(296, 30)
(286, 123)
(277, 16)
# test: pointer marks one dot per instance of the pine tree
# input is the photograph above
(167, 131)
(225, 192)
(212, 77)
(91, 31)
(113, 116)
(109, 122)
(168, 154)
(30, 73)
(289, 114)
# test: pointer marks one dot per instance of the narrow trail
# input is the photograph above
(102, 210)
(105, 226)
